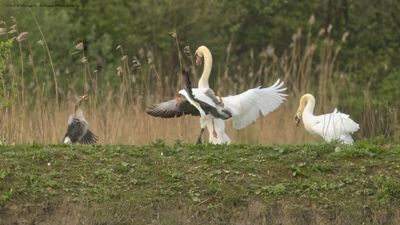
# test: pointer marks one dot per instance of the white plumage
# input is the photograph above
(335, 126)
(246, 107)
(218, 136)
(243, 108)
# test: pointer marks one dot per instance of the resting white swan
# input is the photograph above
(243, 108)
(332, 126)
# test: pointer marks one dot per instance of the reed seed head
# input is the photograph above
(22, 36)
(268, 52)
(119, 71)
(79, 46)
(321, 32)
(136, 63)
(344, 37)
(330, 28)
(311, 21)
(173, 34)
(150, 57)
(141, 53)
(3, 31)
(12, 29)
(187, 52)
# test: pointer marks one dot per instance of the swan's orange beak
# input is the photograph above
(198, 60)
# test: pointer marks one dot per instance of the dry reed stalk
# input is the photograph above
(116, 125)
(49, 55)
(174, 35)
(119, 117)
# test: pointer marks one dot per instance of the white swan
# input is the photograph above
(243, 108)
(335, 126)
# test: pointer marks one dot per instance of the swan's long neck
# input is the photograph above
(203, 82)
(308, 104)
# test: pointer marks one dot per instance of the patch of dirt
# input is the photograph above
(280, 212)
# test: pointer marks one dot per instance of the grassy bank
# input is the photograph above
(186, 184)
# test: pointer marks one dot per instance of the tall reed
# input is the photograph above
(117, 113)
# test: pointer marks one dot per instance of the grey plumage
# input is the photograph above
(78, 131)
(172, 108)
(179, 107)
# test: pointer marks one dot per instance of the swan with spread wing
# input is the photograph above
(243, 109)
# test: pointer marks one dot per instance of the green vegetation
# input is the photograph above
(237, 31)
(127, 55)
(222, 184)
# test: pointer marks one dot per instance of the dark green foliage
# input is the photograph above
(370, 55)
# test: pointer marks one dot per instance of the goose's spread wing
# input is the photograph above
(246, 106)
(172, 108)
(335, 126)
(89, 138)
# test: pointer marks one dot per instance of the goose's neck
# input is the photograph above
(77, 107)
(203, 82)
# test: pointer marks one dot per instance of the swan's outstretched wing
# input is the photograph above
(172, 108)
(246, 107)
(335, 126)
(89, 138)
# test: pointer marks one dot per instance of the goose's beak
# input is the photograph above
(297, 119)
(198, 60)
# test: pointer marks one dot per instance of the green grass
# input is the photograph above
(208, 181)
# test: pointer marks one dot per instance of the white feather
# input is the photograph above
(332, 126)
(67, 140)
(77, 115)
(246, 107)
(217, 126)
(194, 103)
